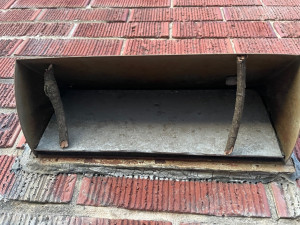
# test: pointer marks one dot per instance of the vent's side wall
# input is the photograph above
(33, 106)
(283, 101)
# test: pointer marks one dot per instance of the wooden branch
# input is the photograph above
(52, 91)
(239, 104)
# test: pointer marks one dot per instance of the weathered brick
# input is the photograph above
(9, 129)
(109, 15)
(7, 96)
(127, 30)
(288, 29)
(16, 15)
(169, 47)
(49, 3)
(5, 4)
(35, 187)
(297, 149)
(7, 67)
(282, 3)
(176, 14)
(200, 197)
(7, 47)
(84, 191)
(193, 223)
(222, 29)
(6, 176)
(287, 199)
(65, 189)
(60, 47)
(29, 219)
(261, 13)
(267, 46)
(281, 205)
(34, 29)
(245, 13)
(283, 13)
(21, 142)
(203, 3)
(131, 3)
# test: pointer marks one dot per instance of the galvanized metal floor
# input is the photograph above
(181, 122)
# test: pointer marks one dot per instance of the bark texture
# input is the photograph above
(52, 91)
(239, 104)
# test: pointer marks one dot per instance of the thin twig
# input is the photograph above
(52, 91)
(239, 104)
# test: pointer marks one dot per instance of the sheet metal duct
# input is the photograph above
(177, 105)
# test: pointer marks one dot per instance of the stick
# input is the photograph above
(239, 104)
(52, 91)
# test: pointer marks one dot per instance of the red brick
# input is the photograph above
(21, 142)
(102, 189)
(6, 176)
(283, 13)
(263, 200)
(282, 3)
(254, 189)
(203, 3)
(37, 187)
(200, 195)
(297, 148)
(288, 29)
(111, 195)
(94, 183)
(7, 96)
(49, 3)
(222, 29)
(133, 195)
(251, 206)
(107, 192)
(193, 223)
(9, 129)
(156, 192)
(131, 3)
(17, 15)
(267, 46)
(144, 191)
(176, 14)
(7, 47)
(34, 29)
(7, 67)
(245, 13)
(169, 47)
(84, 191)
(261, 13)
(192, 193)
(227, 197)
(5, 4)
(125, 30)
(59, 47)
(171, 197)
(213, 198)
(57, 187)
(109, 15)
(65, 193)
(29, 219)
(95, 186)
(280, 203)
